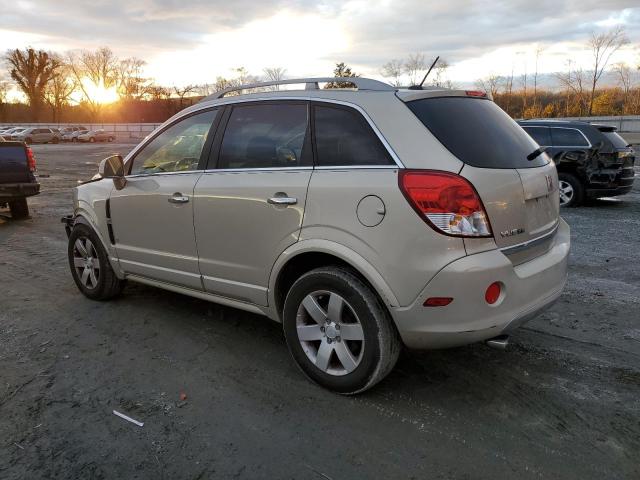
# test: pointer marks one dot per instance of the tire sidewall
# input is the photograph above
(578, 189)
(81, 230)
(360, 302)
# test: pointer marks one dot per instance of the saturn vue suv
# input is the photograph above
(363, 219)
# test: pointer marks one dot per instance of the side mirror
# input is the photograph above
(113, 167)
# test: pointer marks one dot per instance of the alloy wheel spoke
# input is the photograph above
(334, 310)
(95, 263)
(85, 277)
(324, 356)
(81, 248)
(314, 309)
(345, 356)
(307, 333)
(78, 262)
(351, 331)
(92, 277)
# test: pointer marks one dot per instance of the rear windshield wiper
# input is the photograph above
(536, 153)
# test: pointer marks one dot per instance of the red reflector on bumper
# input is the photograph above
(493, 293)
(438, 301)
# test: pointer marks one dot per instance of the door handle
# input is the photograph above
(282, 201)
(178, 198)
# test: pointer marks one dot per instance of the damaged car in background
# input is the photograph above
(593, 161)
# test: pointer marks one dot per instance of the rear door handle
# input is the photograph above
(282, 201)
(178, 198)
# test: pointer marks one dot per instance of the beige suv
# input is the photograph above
(361, 218)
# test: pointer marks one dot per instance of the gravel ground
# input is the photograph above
(562, 402)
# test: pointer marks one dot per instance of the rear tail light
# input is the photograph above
(31, 160)
(446, 201)
(476, 93)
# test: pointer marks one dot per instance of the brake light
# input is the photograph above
(475, 93)
(446, 201)
(31, 160)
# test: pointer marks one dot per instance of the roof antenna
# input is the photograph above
(424, 79)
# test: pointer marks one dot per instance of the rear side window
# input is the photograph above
(568, 137)
(477, 131)
(541, 135)
(265, 136)
(616, 139)
(12, 153)
(344, 138)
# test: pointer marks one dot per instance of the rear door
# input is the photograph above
(249, 204)
(519, 195)
(152, 216)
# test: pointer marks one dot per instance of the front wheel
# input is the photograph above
(338, 331)
(570, 189)
(90, 265)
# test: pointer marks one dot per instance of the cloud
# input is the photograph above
(204, 38)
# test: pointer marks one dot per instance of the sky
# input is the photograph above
(193, 42)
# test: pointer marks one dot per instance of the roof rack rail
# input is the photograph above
(310, 84)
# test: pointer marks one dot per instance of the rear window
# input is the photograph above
(477, 131)
(616, 139)
(540, 134)
(12, 153)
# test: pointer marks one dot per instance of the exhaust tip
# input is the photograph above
(500, 342)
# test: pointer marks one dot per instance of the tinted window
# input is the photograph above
(477, 131)
(265, 136)
(565, 137)
(617, 140)
(344, 138)
(541, 135)
(177, 148)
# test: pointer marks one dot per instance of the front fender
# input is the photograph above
(343, 253)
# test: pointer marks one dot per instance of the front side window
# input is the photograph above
(176, 149)
(344, 138)
(540, 135)
(566, 137)
(265, 136)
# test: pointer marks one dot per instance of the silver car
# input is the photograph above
(36, 135)
(361, 219)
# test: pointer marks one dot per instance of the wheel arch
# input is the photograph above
(83, 217)
(309, 254)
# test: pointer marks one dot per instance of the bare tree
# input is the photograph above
(603, 46)
(393, 70)
(32, 71)
(132, 85)
(539, 51)
(413, 66)
(440, 74)
(59, 91)
(574, 82)
(5, 86)
(185, 91)
(490, 84)
(93, 72)
(624, 74)
(275, 74)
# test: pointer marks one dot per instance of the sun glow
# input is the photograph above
(99, 93)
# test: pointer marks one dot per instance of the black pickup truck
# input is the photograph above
(17, 181)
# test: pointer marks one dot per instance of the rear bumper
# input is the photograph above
(608, 192)
(528, 289)
(9, 191)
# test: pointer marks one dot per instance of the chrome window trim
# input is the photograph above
(264, 169)
(394, 156)
(588, 145)
(155, 174)
(530, 243)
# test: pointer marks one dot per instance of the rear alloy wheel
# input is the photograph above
(90, 265)
(338, 332)
(570, 190)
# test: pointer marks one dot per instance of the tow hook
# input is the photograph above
(500, 342)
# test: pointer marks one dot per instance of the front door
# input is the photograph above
(249, 208)
(152, 216)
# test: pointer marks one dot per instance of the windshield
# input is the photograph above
(478, 132)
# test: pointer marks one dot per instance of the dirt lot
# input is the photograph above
(562, 402)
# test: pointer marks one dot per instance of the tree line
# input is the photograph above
(70, 87)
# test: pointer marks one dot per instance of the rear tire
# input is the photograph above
(338, 332)
(570, 189)
(90, 267)
(19, 209)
